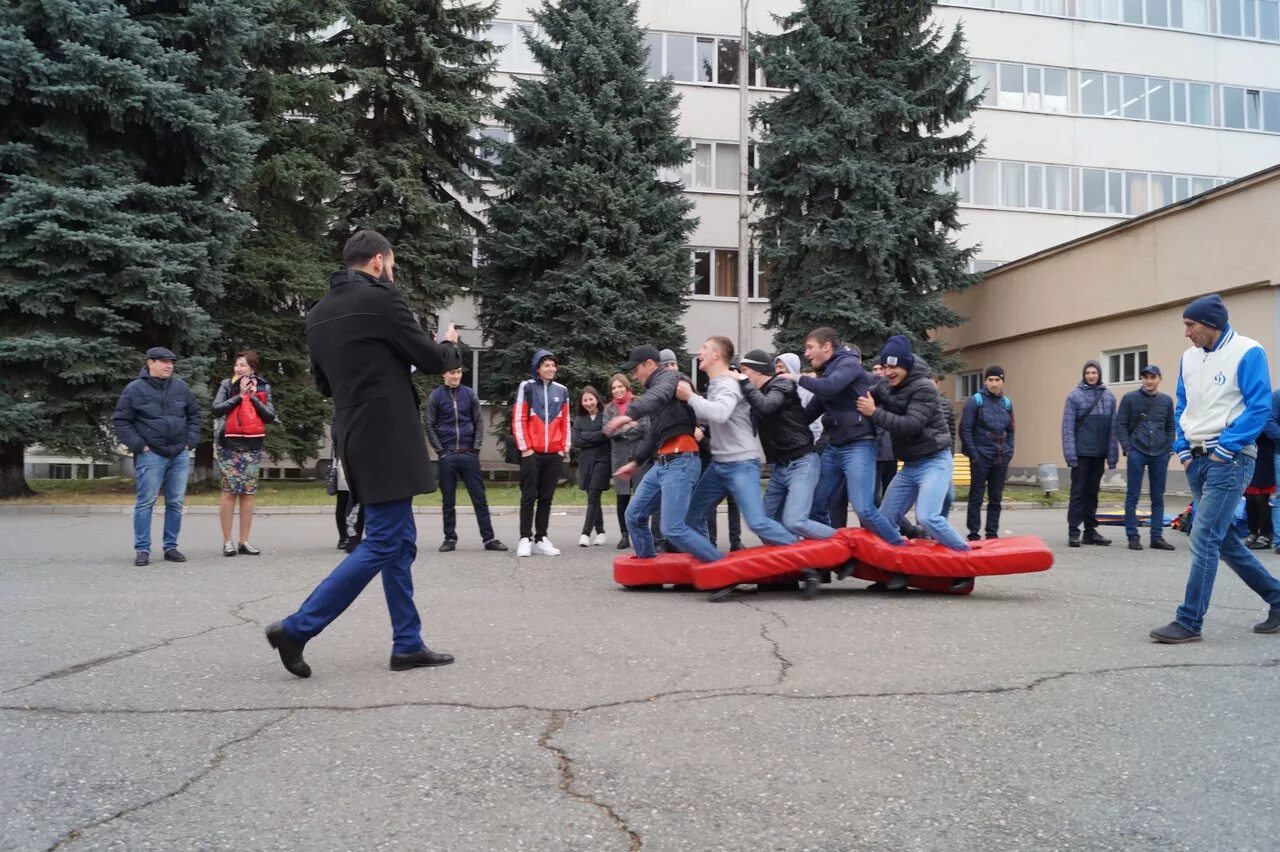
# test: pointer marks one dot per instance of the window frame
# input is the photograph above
(1111, 357)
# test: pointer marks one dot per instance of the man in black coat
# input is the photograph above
(363, 341)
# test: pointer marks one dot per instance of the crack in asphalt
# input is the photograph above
(784, 664)
(219, 754)
(564, 763)
(86, 665)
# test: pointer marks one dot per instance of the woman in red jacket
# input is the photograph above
(243, 408)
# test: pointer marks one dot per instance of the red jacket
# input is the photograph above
(540, 417)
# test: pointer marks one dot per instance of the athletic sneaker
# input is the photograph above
(525, 547)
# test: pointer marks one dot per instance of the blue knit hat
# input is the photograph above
(1208, 310)
(897, 352)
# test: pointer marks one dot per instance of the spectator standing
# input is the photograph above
(455, 430)
(158, 420)
(987, 439)
(594, 463)
(540, 426)
(242, 407)
(1145, 430)
(1089, 444)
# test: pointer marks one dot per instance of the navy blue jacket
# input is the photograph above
(835, 397)
(454, 421)
(159, 414)
(1144, 423)
(986, 430)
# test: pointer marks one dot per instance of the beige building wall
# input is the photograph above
(1042, 317)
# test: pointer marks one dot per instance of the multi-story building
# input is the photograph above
(1095, 111)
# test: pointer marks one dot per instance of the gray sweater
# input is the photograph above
(727, 412)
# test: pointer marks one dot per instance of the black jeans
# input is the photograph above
(988, 477)
(595, 515)
(735, 523)
(1086, 479)
(539, 476)
(343, 511)
(464, 466)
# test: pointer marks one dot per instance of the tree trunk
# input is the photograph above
(202, 464)
(13, 481)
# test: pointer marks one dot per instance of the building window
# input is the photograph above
(967, 384)
(1124, 365)
(715, 274)
(101, 470)
(513, 53)
(61, 471)
(714, 166)
(1253, 19)
(487, 151)
(986, 265)
(710, 60)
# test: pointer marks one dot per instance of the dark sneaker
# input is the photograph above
(448, 545)
(1161, 544)
(142, 558)
(494, 544)
(974, 537)
(1073, 538)
(342, 544)
(1174, 633)
(174, 555)
(1271, 625)
(1251, 541)
(735, 544)
(1092, 537)
(1264, 542)
(1135, 544)
(990, 536)
(1258, 542)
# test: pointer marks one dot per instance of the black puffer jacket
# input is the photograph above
(668, 416)
(159, 414)
(780, 419)
(912, 414)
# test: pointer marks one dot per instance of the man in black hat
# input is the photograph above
(986, 438)
(158, 419)
(1145, 430)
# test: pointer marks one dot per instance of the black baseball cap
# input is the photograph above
(1150, 368)
(642, 353)
(159, 353)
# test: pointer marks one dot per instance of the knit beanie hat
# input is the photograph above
(1208, 310)
(897, 352)
(758, 360)
(994, 371)
(667, 356)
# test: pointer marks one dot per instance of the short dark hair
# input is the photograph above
(724, 344)
(824, 335)
(250, 357)
(363, 246)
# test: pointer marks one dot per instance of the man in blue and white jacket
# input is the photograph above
(1224, 397)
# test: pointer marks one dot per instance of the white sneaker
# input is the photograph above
(525, 547)
(545, 548)
(584, 541)
(600, 538)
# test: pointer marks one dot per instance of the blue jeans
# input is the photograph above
(1158, 468)
(742, 480)
(1216, 488)
(464, 466)
(926, 483)
(1275, 513)
(856, 461)
(667, 488)
(153, 472)
(789, 496)
(389, 547)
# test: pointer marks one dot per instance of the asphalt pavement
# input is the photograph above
(141, 708)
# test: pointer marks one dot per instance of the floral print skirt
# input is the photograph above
(238, 470)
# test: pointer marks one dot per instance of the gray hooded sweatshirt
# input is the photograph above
(728, 414)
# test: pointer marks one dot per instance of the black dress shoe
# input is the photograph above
(418, 659)
(1271, 625)
(174, 555)
(624, 543)
(1134, 544)
(290, 651)
(1173, 633)
(735, 544)
(895, 583)
(1092, 537)
(142, 558)
(974, 537)
(494, 544)
(810, 581)
(846, 570)
(1161, 544)
(342, 544)
(249, 550)
(1073, 538)
(448, 546)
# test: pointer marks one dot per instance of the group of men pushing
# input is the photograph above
(764, 398)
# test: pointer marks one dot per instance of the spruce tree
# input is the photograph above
(587, 252)
(856, 233)
(122, 132)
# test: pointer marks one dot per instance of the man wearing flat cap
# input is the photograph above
(158, 419)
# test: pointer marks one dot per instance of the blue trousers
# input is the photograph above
(741, 479)
(1216, 488)
(789, 496)
(857, 462)
(925, 482)
(666, 488)
(389, 547)
(1157, 468)
(154, 473)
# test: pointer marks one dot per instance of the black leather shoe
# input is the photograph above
(1134, 544)
(142, 558)
(895, 583)
(974, 537)
(448, 546)
(1271, 625)
(846, 570)
(624, 543)
(1174, 633)
(1161, 544)
(1073, 538)
(342, 544)
(810, 581)
(494, 544)
(1092, 537)
(418, 659)
(249, 550)
(290, 651)
(174, 555)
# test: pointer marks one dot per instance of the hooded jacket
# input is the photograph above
(1088, 422)
(159, 414)
(835, 395)
(986, 428)
(540, 416)
(779, 419)
(912, 414)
